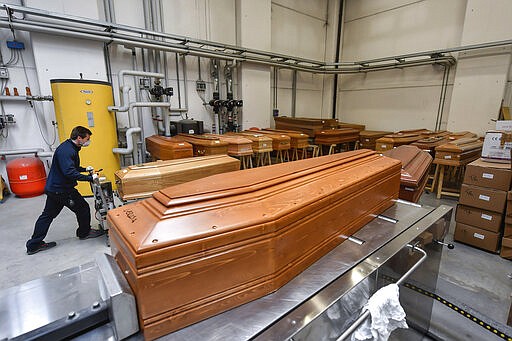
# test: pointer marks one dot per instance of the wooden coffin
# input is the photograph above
(359, 127)
(205, 145)
(140, 181)
(459, 152)
(460, 135)
(415, 166)
(237, 145)
(368, 138)
(336, 136)
(197, 249)
(298, 140)
(438, 133)
(391, 141)
(430, 143)
(305, 125)
(260, 142)
(279, 141)
(419, 131)
(168, 148)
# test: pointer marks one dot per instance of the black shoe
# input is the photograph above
(42, 247)
(93, 234)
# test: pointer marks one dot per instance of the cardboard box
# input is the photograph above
(506, 247)
(488, 174)
(474, 236)
(485, 198)
(487, 220)
(507, 227)
(497, 146)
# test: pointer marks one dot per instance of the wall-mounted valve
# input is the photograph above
(158, 91)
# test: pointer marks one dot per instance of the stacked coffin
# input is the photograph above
(391, 141)
(429, 144)
(140, 181)
(168, 148)
(298, 140)
(482, 203)
(438, 133)
(205, 145)
(458, 152)
(368, 138)
(461, 134)
(336, 136)
(415, 167)
(201, 248)
(237, 145)
(420, 131)
(260, 142)
(356, 126)
(279, 141)
(305, 125)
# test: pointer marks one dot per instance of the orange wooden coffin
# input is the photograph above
(430, 143)
(460, 135)
(205, 145)
(279, 141)
(260, 142)
(140, 181)
(394, 140)
(238, 145)
(368, 138)
(419, 131)
(359, 127)
(336, 136)
(305, 125)
(200, 248)
(438, 133)
(168, 148)
(415, 167)
(298, 140)
(459, 152)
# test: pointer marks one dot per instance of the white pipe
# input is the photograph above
(20, 151)
(125, 99)
(144, 104)
(129, 142)
(45, 154)
(122, 73)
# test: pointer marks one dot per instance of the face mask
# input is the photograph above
(85, 144)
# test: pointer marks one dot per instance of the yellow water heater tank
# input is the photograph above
(84, 102)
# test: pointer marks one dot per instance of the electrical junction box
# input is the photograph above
(17, 45)
(200, 85)
(4, 74)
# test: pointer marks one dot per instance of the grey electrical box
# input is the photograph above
(4, 73)
(200, 85)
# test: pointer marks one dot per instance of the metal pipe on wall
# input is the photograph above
(185, 85)
(294, 92)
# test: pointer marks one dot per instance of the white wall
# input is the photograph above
(397, 99)
(481, 75)
(303, 28)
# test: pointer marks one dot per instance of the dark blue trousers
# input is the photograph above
(55, 202)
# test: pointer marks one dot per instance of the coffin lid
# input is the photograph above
(291, 133)
(203, 140)
(231, 139)
(215, 186)
(415, 163)
(372, 133)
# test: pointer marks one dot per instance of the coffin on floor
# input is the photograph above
(415, 166)
(200, 248)
(140, 181)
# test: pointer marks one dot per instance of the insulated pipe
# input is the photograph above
(125, 100)
(317, 67)
(123, 73)
(185, 80)
(21, 151)
(129, 142)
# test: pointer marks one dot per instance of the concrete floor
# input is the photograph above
(474, 277)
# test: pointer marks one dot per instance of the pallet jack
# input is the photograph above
(101, 188)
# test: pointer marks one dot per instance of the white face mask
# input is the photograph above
(85, 144)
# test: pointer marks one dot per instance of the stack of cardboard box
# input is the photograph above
(482, 203)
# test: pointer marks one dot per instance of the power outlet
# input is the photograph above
(4, 73)
(200, 85)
